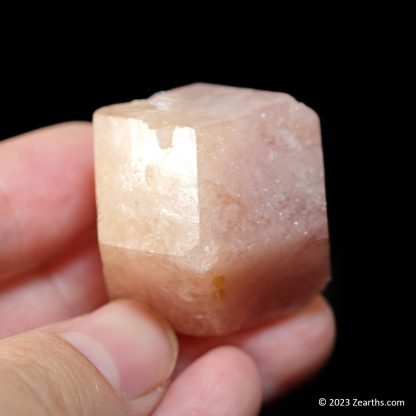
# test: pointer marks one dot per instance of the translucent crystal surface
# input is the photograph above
(211, 205)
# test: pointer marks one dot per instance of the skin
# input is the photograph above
(50, 275)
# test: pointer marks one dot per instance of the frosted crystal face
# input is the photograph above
(211, 205)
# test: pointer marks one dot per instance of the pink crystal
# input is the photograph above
(211, 205)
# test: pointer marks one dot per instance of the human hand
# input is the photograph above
(65, 350)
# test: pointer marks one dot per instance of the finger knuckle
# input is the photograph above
(45, 384)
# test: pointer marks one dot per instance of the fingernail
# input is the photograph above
(135, 351)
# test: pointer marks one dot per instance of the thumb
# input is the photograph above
(114, 361)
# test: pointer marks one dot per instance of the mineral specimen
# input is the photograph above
(211, 205)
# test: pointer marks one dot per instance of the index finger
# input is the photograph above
(46, 194)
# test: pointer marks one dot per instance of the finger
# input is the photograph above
(223, 382)
(286, 351)
(46, 194)
(69, 286)
(110, 362)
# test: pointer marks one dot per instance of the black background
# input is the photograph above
(362, 86)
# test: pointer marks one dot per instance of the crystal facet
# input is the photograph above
(211, 205)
